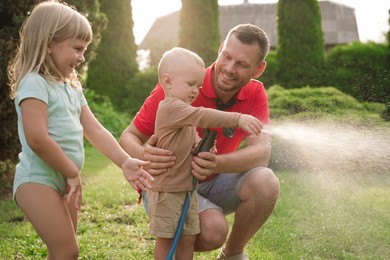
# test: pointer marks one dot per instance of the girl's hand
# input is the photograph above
(133, 170)
(250, 124)
(74, 189)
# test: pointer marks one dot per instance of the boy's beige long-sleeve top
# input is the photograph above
(175, 129)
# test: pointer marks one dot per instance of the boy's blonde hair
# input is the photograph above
(176, 58)
(50, 21)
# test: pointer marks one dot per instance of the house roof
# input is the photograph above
(338, 23)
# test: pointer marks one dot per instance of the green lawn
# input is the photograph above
(325, 215)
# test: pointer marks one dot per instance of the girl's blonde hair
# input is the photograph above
(50, 21)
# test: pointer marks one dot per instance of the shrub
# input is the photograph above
(7, 169)
(318, 102)
(138, 89)
(269, 76)
(104, 111)
(360, 70)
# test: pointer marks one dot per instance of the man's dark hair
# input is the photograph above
(251, 34)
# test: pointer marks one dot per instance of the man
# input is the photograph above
(233, 180)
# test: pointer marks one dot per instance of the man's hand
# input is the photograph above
(159, 159)
(204, 164)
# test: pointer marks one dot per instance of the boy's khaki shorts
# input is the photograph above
(165, 209)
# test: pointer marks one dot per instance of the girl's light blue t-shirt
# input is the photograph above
(64, 108)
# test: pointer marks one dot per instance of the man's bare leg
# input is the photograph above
(259, 193)
(213, 230)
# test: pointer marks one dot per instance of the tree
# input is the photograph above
(115, 63)
(199, 28)
(386, 113)
(300, 49)
(388, 38)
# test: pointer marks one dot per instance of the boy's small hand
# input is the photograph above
(250, 124)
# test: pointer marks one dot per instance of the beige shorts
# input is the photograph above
(165, 209)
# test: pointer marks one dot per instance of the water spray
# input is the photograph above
(329, 147)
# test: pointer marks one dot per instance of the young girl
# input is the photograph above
(53, 116)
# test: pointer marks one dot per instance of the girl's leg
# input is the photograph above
(51, 218)
(185, 248)
(73, 215)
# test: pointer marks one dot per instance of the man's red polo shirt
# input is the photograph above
(251, 99)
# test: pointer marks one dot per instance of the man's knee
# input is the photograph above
(214, 230)
(263, 182)
(271, 180)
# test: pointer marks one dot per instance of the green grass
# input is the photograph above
(328, 216)
(319, 215)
